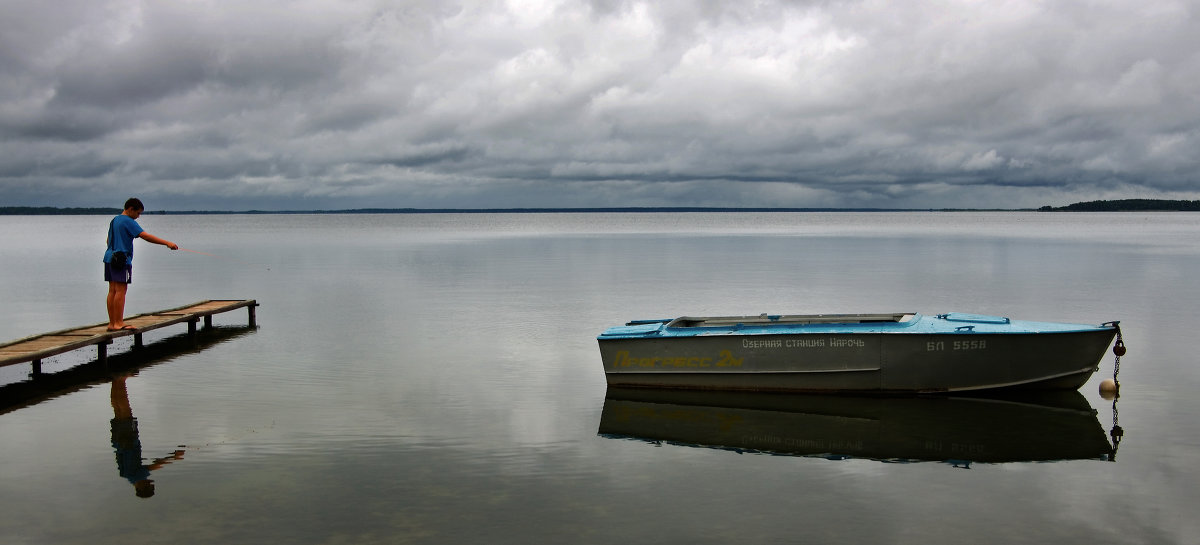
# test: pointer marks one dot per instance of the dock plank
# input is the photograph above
(36, 347)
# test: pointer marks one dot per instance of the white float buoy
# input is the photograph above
(1109, 388)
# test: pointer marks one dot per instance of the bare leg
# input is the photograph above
(116, 304)
(120, 399)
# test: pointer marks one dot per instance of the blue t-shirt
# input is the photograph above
(128, 448)
(124, 230)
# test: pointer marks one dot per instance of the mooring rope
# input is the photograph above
(1117, 433)
(1118, 350)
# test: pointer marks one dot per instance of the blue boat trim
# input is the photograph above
(977, 318)
(897, 323)
(633, 330)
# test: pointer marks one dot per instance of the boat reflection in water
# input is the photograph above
(1045, 426)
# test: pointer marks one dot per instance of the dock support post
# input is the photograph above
(208, 321)
(102, 352)
(137, 340)
(192, 328)
(37, 368)
(251, 309)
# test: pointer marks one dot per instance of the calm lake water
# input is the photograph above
(435, 379)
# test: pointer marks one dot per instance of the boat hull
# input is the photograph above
(911, 358)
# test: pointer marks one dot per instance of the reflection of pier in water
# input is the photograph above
(45, 386)
(117, 370)
(1043, 426)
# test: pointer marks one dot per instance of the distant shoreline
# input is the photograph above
(51, 211)
(1126, 205)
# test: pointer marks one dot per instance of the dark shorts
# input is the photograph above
(122, 275)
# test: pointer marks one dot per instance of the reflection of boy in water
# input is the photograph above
(129, 447)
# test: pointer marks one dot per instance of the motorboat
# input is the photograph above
(897, 352)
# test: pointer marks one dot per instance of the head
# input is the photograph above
(133, 207)
(144, 488)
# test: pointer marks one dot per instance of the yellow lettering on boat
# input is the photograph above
(624, 359)
(728, 360)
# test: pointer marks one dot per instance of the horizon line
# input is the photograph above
(590, 209)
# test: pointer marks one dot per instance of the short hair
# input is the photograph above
(135, 204)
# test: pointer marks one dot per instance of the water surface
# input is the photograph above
(435, 378)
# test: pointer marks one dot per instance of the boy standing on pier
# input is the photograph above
(118, 259)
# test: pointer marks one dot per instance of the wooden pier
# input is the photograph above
(34, 349)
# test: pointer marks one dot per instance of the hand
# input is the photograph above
(172, 246)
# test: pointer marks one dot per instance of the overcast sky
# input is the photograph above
(541, 103)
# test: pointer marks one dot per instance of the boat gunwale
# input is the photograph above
(841, 324)
(770, 320)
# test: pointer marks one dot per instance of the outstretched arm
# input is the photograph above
(158, 463)
(151, 238)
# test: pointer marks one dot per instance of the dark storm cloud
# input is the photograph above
(605, 103)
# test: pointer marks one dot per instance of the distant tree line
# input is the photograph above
(1127, 205)
(1090, 206)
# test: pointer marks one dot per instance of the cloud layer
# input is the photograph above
(331, 104)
